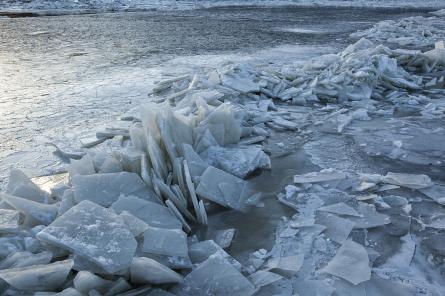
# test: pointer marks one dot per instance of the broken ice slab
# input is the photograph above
(49, 277)
(340, 209)
(286, 266)
(351, 263)
(151, 213)
(111, 165)
(117, 287)
(223, 125)
(435, 192)
(217, 277)
(66, 292)
(201, 251)
(35, 213)
(20, 185)
(147, 271)
(23, 259)
(83, 166)
(241, 85)
(224, 189)
(222, 237)
(9, 220)
(105, 189)
(169, 242)
(369, 217)
(326, 175)
(285, 123)
(240, 162)
(95, 233)
(408, 180)
(263, 278)
(381, 286)
(133, 223)
(86, 281)
(337, 229)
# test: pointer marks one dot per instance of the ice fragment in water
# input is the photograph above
(237, 161)
(151, 213)
(337, 229)
(322, 176)
(408, 180)
(217, 277)
(148, 271)
(48, 277)
(83, 166)
(369, 217)
(286, 266)
(436, 193)
(104, 189)
(350, 263)
(340, 209)
(9, 220)
(36, 213)
(222, 237)
(201, 251)
(223, 188)
(86, 281)
(169, 242)
(95, 233)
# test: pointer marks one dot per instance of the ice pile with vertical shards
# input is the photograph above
(369, 221)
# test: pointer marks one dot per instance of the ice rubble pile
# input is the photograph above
(343, 240)
(417, 31)
(122, 218)
(361, 72)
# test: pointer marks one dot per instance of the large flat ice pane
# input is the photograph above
(48, 277)
(95, 233)
(20, 185)
(151, 213)
(169, 242)
(217, 277)
(350, 263)
(35, 213)
(201, 251)
(237, 161)
(147, 271)
(104, 189)
(223, 188)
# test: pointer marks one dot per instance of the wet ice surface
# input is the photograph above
(354, 146)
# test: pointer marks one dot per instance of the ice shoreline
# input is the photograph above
(43, 8)
(359, 227)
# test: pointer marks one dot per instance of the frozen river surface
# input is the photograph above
(61, 77)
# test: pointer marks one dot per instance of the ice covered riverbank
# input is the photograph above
(367, 221)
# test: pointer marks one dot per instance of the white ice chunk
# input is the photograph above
(86, 281)
(9, 220)
(223, 188)
(350, 263)
(222, 237)
(36, 213)
(436, 193)
(169, 242)
(38, 277)
(286, 266)
(237, 161)
(408, 180)
(67, 292)
(104, 189)
(151, 213)
(23, 259)
(111, 165)
(242, 85)
(148, 271)
(119, 286)
(95, 233)
(217, 277)
(369, 217)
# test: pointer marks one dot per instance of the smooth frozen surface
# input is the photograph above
(95, 233)
(148, 271)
